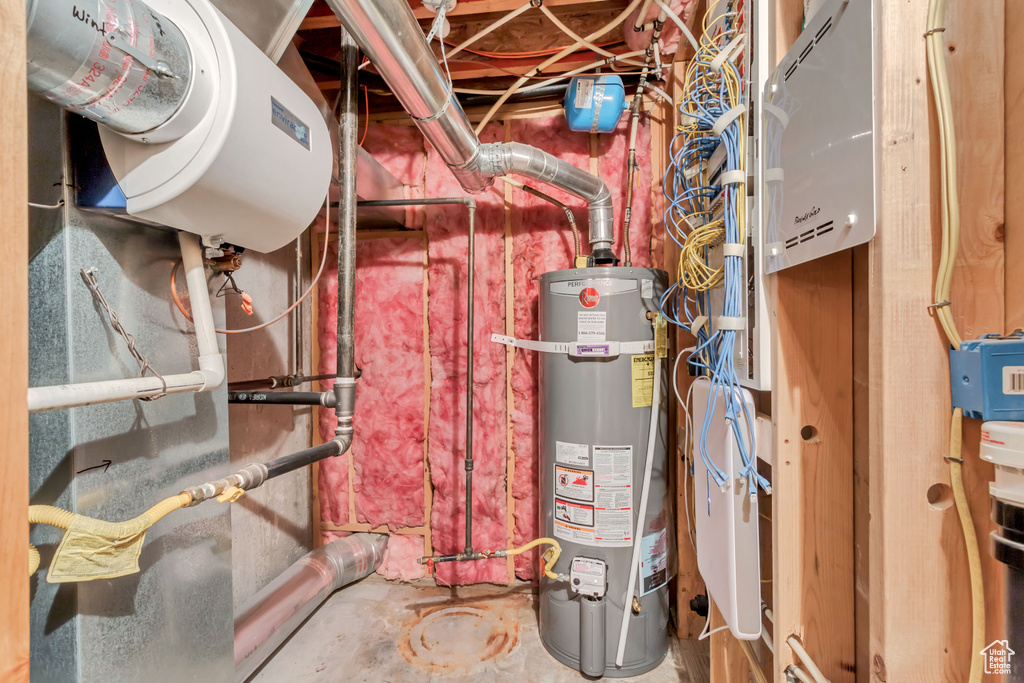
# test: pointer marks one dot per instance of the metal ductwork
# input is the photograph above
(388, 33)
(275, 612)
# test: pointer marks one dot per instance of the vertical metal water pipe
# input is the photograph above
(348, 128)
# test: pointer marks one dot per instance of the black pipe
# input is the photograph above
(289, 398)
(348, 143)
(545, 92)
(288, 463)
(470, 204)
(276, 382)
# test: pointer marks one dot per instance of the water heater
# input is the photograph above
(596, 389)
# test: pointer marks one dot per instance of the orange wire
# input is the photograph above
(323, 261)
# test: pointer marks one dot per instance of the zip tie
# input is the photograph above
(686, 119)
(774, 175)
(782, 116)
(727, 118)
(726, 323)
(698, 322)
(734, 249)
(726, 52)
(732, 177)
(691, 172)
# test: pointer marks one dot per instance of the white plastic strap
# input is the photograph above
(734, 249)
(772, 175)
(608, 349)
(725, 322)
(726, 52)
(685, 119)
(731, 177)
(691, 172)
(698, 322)
(782, 116)
(728, 117)
(531, 345)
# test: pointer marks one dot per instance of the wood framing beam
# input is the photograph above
(14, 594)
(463, 9)
(920, 611)
(812, 477)
(1014, 137)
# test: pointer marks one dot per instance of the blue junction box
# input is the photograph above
(987, 377)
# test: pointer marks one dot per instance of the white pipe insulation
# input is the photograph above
(210, 374)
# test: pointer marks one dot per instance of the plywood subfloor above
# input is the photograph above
(382, 631)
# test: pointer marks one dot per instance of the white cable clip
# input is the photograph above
(727, 51)
(732, 177)
(726, 322)
(774, 175)
(691, 171)
(734, 249)
(782, 116)
(698, 322)
(728, 117)
(775, 248)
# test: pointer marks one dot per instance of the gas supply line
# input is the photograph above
(96, 549)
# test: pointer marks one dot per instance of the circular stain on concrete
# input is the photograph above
(457, 639)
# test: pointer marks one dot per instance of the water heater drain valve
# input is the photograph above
(589, 577)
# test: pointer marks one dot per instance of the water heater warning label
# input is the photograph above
(574, 513)
(653, 561)
(574, 483)
(612, 496)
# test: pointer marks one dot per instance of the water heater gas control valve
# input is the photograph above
(589, 577)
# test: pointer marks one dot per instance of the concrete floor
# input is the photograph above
(392, 632)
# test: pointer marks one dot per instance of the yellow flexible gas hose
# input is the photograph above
(33, 559)
(550, 555)
(62, 519)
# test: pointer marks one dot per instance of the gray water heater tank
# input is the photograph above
(595, 417)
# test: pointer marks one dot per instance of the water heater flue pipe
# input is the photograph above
(275, 612)
(388, 33)
(209, 376)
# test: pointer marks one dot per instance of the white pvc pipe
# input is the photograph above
(805, 658)
(209, 376)
(641, 517)
(678, 22)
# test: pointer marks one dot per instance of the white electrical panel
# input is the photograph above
(725, 517)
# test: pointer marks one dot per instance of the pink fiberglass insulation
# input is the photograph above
(333, 472)
(671, 36)
(387, 448)
(541, 242)
(614, 149)
(400, 150)
(400, 558)
(447, 230)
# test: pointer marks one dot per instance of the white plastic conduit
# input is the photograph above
(641, 519)
(209, 376)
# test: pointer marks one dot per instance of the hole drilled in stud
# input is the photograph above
(940, 496)
(809, 433)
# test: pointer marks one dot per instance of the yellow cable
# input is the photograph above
(943, 283)
(971, 541)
